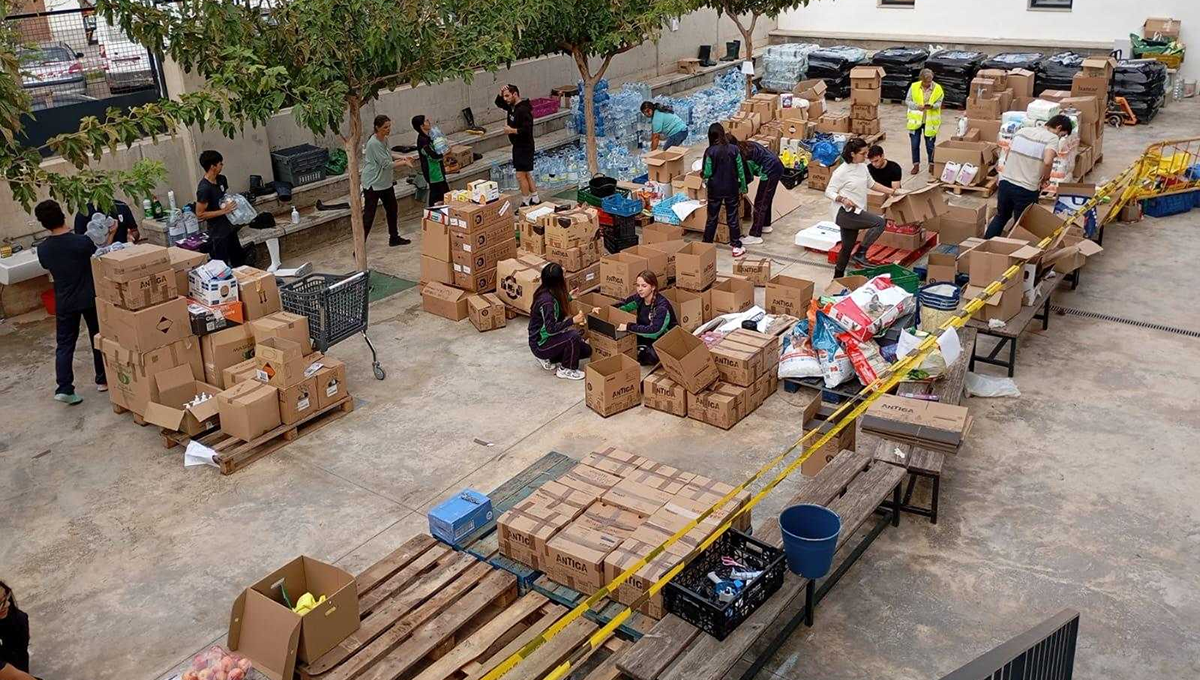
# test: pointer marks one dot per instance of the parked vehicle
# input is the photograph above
(126, 64)
(51, 69)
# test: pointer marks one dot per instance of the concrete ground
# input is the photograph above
(1075, 495)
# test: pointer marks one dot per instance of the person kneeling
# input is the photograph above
(553, 339)
(654, 316)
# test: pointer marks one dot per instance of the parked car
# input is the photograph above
(51, 69)
(67, 99)
(126, 66)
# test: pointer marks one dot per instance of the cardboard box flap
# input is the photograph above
(166, 416)
(174, 378)
(266, 633)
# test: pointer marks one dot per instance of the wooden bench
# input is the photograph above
(921, 462)
(852, 485)
(1010, 334)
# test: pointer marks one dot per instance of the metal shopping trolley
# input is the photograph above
(336, 307)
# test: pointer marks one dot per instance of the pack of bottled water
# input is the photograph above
(785, 65)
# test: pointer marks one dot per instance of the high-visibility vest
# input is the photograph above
(931, 119)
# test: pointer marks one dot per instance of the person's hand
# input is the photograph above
(622, 327)
(579, 317)
(846, 203)
(574, 292)
(510, 130)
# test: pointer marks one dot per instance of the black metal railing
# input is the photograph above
(76, 64)
(1044, 652)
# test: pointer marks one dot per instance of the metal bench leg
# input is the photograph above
(1046, 313)
(1012, 357)
(896, 505)
(937, 488)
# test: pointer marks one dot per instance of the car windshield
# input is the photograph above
(42, 55)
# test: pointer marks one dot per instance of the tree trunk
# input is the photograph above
(589, 110)
(353, 141)
(748, 41)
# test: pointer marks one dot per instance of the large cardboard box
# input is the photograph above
(1089, 86)
(473, 217)
(298, 401)
(635, 497)
(935, 425)
(484, 258)
(959, 223)
(614, 461)
(176, 388)
(211, 291)
(464, 244)
(1035, 224)
(988, 260)
(737, 363)
(330, 382)
(657, 232)
(284, 325)
(864, 97)
(661, 393)
(588, 478)
(435, 240)
(812, 89)
(731, 296)
(665, 164)
(688, 306)
(131, 374)
(670, 249)
(865, 128)
(137, 293)
(656, 260)
(1161, 27)
(524, 530)
(696, 266)
(571, 228)
(145, 329)
(989, 131)
(789, 295)
(941, 267)
(686, 359)
(570, 499)
(182, 262)
(915, 207)
(258, 291)
(984, 108)
(605, 339)
(280, 362)
(486, 312)
(837, 123)
(819, 175)
(223, 349)
(434, 270)
(444, 301)
(613, 385)
(239, 373)
(866, 77)
(475, 281)
(618, 273)
(845, 440)
(575, 556)
(629, 553)
(576, 258)
(721, 405)
(134, 262)
(982, 155)
(248, 410)
(518, 279)
(263, 628)
(1022, 82)
(586, 279)
(1102, 67)
(756, 270)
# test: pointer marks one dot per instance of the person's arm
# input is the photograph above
(10, 672)
(741, 175)
(707, 170)
(659, 318)
(552, 325)
(501, 104)
(910, 102)
(202, 205)
(525, 121)
(885, 190)
(836, 181)
(629, 304)
(1048, 157)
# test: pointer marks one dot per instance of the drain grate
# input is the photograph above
(1127, 322)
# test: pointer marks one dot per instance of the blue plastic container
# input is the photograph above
(1172, 204)
(810, 534)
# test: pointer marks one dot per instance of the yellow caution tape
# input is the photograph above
(844, 416)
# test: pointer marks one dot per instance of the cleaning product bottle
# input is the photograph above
(295, 215)
(962, 126)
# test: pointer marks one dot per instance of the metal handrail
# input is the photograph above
(1045, 652)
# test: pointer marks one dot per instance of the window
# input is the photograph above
(1050, 4)
(897, 3)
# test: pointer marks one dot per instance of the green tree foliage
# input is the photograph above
(737, 9)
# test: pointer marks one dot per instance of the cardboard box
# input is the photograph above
(298, 401)
(134, 262)
(915, 207)
(686, 359)
(629, 553)
(756, 270)
(259, 292)
(665, 164)
(223, 349)
(1036, 224)
(518, 279)
(249, 410)
(941, 267)
(846, 440)
(284, 325)
(696, 266)
(588, 478)
(985, 108)
(615, 461)
(572, 501)
(1099, 67)
(864, 127)
(458, 157)
(788, 295)
(474, 261)
(604, 346)
(1022, 81)
(794, 114)
(211, 291)
(524, 530)
(688, 307)
(204, 319)
(819, 175)
(983, 88)
(182, 262)
(812, 89)
(1161, 27)
(731, 296)
(845, 284)
(586, 302)
(465, 245)
(263, 628)
(137, 293)
(176, 387)
(737, 363)
(861, 97)
(435, 240)
(570, 229)
(902, 241)
(585, 279)
(575, 555)
(982, 155)
(618, 273)
(988, 131)
(330, 382)
(656, 261)
(280, 362)
(661, 393)
(472, 217)
(131, 374)
(486, 312)
(444, 301)
(635, 497)
(239, 373)
(670, 249)
(987, 261)
(474, 280)
(832, 123)
(933, 424)
(613, 384)
(721, 405)
(958, 224)
(866, 77)
(436, 271)
(145, 329)
(658, 232)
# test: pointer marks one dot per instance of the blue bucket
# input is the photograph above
(810, 534)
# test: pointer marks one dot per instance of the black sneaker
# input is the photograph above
(398, 241)
(860, 260)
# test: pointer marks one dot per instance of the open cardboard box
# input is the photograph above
(732, 295)
(993, 257)
(263, 627)
(982, 155)
(915, 207)
(1036, 224)
(844, 284)
(788, 295)
(665, 164)
(177, 387)
(686, 359)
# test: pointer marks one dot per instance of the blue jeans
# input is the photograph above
(674, 140)
(914, 138)
(1011, 202)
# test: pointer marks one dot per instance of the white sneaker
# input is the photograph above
(570, 373)
(739, 252)
(751, 240)
(546, 364)
(767, 230)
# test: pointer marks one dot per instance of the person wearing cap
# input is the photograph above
(924, 103)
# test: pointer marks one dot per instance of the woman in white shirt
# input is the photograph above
(848, 189)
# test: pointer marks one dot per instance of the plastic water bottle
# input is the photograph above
(962, 126)
(171, 201)
(295, 215)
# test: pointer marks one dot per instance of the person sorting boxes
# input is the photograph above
(655, 316)
(555, 342)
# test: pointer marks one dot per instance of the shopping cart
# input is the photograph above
(336, 307)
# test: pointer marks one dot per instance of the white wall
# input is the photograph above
(1100, 21)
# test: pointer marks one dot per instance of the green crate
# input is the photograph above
(583, 196)
(905, 278)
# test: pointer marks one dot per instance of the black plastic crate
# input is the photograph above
(691, 595)
(617, 244)
(300, 165)
(792, 177)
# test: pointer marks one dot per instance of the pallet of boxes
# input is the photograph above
(609, 511)
(813, 92)
(462, 244)
(195, 345)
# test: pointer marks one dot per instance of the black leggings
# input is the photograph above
(567, 348)
(371, 199)
(850, 224)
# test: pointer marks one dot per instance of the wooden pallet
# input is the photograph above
(878, 254)
(429, 612)
(138, 420)
(986, 189)
(234, 454)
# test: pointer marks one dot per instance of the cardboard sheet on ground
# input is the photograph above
(822, 236)
(786, 200)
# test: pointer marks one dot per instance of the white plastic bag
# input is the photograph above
(98, 228)
(979, 385)
(797, 357)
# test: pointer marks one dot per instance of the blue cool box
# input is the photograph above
(457, 517)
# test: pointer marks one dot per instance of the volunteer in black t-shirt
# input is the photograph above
(519, 126)
(14, 638)
(883, 171)
(67, 256)
(210, 195)
(120, 212)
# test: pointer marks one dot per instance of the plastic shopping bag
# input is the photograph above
(872, 308)
(797, 358)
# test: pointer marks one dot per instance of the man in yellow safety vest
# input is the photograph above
(924, 117)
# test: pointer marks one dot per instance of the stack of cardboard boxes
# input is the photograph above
(573, 242)
(1089, 97)
(608, 512)
(866, 93)
(462, 245)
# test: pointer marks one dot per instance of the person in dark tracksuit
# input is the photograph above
(655, 316)
(726, 177)
(14, 637)
(769, 170)
(432, 167)
(553, 339)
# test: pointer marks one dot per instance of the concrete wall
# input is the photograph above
(1000, 22)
